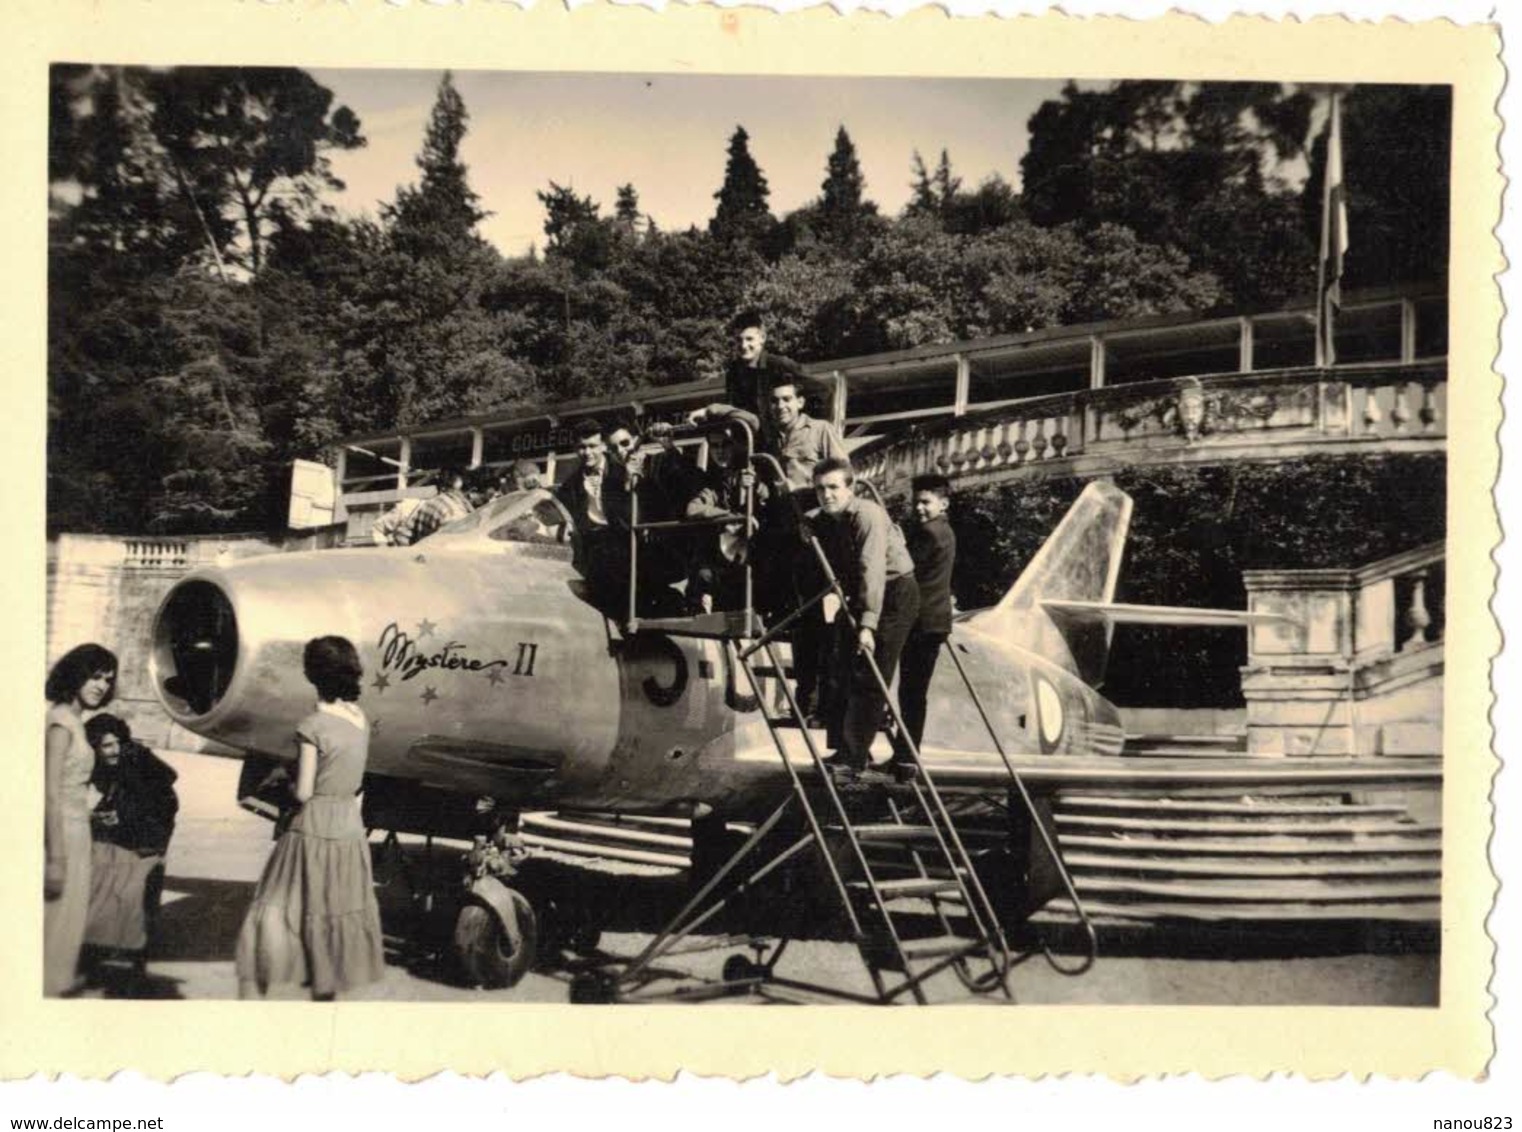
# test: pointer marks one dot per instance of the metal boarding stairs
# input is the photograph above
(892, 851)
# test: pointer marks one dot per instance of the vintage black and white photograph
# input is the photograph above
(621, 538)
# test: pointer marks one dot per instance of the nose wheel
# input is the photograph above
(496, 938)
(496, 934)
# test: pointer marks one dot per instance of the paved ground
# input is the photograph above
(219, 850)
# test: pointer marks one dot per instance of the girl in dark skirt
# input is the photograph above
(314, 918)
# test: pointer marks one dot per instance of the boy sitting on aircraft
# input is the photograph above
(866, 550)
(445, 507)
(662, 482)
(389, 528)
(755, 372)
(597, 496)
(717, 579)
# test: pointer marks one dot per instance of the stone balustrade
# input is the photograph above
(156, 554)
(1357, 666)
(1286, 413)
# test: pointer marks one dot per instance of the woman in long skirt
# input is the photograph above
(314, 919)
(131, 825)
(84, 680)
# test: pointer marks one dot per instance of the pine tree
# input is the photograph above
(841, 208)
(440, 215)
(922, 202)
(946, 185)
(626, 211)
(742, 214)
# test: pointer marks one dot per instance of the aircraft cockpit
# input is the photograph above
(532, 518)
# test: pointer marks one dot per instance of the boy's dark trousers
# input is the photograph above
(915, 668)
(864, 702)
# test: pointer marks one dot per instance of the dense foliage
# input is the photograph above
(211, 317)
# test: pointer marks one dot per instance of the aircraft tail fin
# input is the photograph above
(1062, 606)
(1079, 562)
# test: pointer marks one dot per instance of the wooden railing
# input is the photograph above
(1190, 419)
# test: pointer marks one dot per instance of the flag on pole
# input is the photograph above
(1334, 241)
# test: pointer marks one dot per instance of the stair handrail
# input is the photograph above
(1090, 935)
(748, 438)
(978, 903)
(950, 843)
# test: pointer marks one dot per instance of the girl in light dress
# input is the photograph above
(314, 919)
(83, 680)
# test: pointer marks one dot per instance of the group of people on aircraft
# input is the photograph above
(898, 587)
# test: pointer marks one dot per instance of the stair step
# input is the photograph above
(910, 886)
(889, 833)
(932, 947)
(1218, 867)
(1214, 742)
(1250, 846)
(1260, 890)
(1158, 807)
(1224, 827)
(1140, 754)
(716, 626)
(1060, 911)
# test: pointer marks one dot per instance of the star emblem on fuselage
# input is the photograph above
(429, 695)
(494, 676)
(425, 628)
(381, 682)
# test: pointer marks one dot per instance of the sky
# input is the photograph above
(668, 135)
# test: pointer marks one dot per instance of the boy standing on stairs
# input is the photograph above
(933, 546)
(866, 551)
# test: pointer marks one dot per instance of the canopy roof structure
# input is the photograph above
(880, 393)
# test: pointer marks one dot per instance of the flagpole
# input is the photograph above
(1334, 240)
(1321, 362)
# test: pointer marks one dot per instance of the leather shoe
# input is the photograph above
(903, 770)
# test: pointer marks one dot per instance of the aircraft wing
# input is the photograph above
(1117, 613)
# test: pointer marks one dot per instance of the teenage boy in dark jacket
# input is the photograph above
(933, 546)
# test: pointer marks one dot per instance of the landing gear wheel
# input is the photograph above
(737, 969)
(490, 954)
(593, 989)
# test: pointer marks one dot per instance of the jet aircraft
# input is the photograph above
(491, 674)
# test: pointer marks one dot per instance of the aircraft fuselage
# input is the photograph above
(488, 672)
